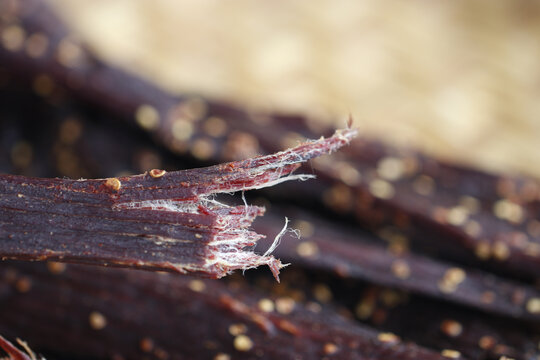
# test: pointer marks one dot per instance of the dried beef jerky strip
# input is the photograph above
(157, 220)
(473, 216)
(438, 325)
(357, 255)
(113, 312)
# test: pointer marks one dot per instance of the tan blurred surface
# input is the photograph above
(460, 79)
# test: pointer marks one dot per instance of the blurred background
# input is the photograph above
(457, 79)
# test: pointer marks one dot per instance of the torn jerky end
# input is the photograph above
(285, 162)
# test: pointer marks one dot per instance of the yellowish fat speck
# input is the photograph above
(457, 215)
(203, 149)
(473, 228)
(285, 305)
(266, 305)
(70, 130)
(182, 129)
(455, 275)
(451, 328)
(56, 267)
(197, 285)
(401, 269)
(113, 184)
(533, 305)
(156, 173)
(243, 343)
(198, 236)
(307, 249)
(381, 189)
(330, 348)
(347, 173)
(97, 320)
(13, 37)
(237, 329)
(215, 126)
(483, 250)
(146, 344)
(451, 279)
(486, 342)
(23, 285)
(390, 168)
(507, 210)
(452, 354)
(501, 251)
(147, 117)
(305, 227)
(388, 338)
(222, 356)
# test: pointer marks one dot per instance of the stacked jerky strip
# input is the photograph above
(354, 255)
(480, 219)
(116, 313)
(435, 324)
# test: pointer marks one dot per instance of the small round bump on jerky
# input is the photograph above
(451, 328)
(266, 305)
(285, 305)
(486, 342)
(197, 285)
(330, 348)
(388, 338)
(146, 344)
(533, 305)
(401, 269)
(237, 329)
(147, 117)
(156, 173)
(97, 320)
(222, 356)
(243, 343)
(452, 354)
(113, 184)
